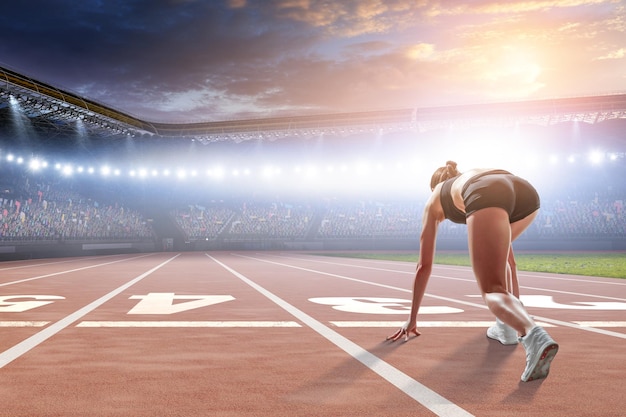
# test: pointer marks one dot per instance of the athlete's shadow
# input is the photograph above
(475, 359)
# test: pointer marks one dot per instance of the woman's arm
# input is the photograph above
(430, 221)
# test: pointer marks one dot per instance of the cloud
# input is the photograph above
(617, 54)
(198, 60)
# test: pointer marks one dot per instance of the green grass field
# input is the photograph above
(597, 264)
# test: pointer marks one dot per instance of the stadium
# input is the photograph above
(97, 180)
(226, 208)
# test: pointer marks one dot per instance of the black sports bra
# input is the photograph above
(450, 211)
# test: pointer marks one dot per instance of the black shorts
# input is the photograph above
(507, 191)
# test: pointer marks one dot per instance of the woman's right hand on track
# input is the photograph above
(406, 329)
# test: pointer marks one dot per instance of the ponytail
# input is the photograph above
(444, 173)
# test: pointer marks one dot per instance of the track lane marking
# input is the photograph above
(396, 324)
(183, 324)
(4, 284)
(420, 393)
(573, 278)
(23, 323)
(24, 346)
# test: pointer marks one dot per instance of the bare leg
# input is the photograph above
(512, 284)
(489, 235)
(517, 229)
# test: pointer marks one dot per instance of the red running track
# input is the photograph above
(292, 334)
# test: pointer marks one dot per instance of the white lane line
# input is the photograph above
(615, 281)
(183, 324)
(420, 393)
(21, 348)
(396, 324)
(601, 323)
(23, 323)
(572, 325)
(68, 271)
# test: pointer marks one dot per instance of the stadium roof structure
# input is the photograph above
(55, 110)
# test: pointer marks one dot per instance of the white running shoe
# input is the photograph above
(540, 351)
(503, 333)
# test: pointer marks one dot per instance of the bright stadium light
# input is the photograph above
(268, 171)
(311, 171)
(596, 157)
(362, 168)
(35, 164)
(217, 173)
(67, 170)
(10, 157)
(105, 171)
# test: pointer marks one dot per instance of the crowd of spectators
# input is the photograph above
(589, 215)
(37, 210)
(45, 211)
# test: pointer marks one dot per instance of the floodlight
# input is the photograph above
(596, 157)
(35, 164)
(67, 170)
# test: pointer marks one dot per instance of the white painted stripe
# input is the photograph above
(24, 346)
(601, 323)
(420, 393)
(391, 324)
(19, 281)
(181, 324)
(23, 323)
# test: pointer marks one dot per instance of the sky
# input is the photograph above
(184, 61)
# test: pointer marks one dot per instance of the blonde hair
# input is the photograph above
(444, 173)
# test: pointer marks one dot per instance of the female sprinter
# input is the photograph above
(497, 207)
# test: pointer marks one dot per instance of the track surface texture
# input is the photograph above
(292, 334)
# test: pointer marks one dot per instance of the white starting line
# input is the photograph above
(23, 323)
(188, 324)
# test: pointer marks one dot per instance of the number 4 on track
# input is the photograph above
(163, 302)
